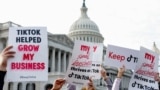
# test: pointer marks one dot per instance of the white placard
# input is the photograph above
(31, 59)
(85, 62)
(119, 56)
(146, 69)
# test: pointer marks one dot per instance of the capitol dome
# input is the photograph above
(85, 29)
(84, 23)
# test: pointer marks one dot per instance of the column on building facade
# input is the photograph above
(53, 60)
(15, 85)
(85, 38)
(23, 86)
(7, 41)
(6, 86)
(70, 55)
(38, 86)
(48, 58)
(59, 60)
(31, 86)
(68, 59)
(19, 86)
(64, 60)
(48, 52)
(1, 45)
(10, 86)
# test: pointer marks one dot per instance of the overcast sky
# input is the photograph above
(126, 23)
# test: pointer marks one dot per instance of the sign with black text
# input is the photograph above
(119, 56)
(85, 62)
(31, 59)
(146, 69)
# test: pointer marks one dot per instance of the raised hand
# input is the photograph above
(103, 73)
(4, 56)
(90, 85)
(57, 85)
(121, 71)
(156, 77)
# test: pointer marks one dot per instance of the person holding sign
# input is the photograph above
(4, 56)
(115, 85)
(157, 78)
(8, 53)
(106, 79)
(119, 78)
(89, 86)
(110, 85)
(58, 84)
(117, 81)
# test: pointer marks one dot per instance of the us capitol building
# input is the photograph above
(60, 48)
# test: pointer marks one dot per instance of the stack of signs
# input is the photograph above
(85, 62)
(146, 69)
(119, 56)
(31, 59)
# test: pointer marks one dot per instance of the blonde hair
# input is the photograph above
(83, 88)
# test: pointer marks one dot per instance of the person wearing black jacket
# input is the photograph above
(4, 56)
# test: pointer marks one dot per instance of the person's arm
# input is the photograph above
(4, 56)
(90, 85)
(157, 78)
(116, 84)
(117, 81)
(106, 79)
(71, 87)
(109, 83)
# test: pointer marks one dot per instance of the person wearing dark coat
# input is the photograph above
(4, 56)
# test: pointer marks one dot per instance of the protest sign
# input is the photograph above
(146, 69)
(119, 56)
(85, 62)
(31, 59)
